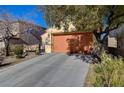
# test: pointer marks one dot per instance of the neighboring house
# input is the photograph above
(27, 34)
(119, 35)
(1, 43)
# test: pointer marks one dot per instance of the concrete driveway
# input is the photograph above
(49, 70)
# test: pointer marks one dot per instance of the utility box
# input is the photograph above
(112, 42)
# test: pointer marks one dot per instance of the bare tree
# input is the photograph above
(6, 31)
(9, 31)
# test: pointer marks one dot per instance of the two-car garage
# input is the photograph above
(72, 42)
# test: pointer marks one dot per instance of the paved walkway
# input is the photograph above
(49, 70)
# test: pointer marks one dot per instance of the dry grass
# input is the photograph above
(109, 73)
(90, 76)
(12, 60)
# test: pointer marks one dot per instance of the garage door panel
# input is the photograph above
(59, 44)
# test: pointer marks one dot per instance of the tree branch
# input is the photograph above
(116, 17)
(116, 26)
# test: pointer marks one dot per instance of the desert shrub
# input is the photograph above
(18, 51)
(109, 72)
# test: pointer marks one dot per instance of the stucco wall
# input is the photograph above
(2, 45)
(46, 38)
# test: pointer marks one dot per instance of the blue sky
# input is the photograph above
(25, 12)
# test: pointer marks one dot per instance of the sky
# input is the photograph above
(26, 12)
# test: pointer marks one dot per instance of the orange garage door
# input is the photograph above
(71, 42)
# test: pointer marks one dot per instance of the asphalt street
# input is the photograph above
(48, 70)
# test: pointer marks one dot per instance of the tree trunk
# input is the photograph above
(7, 47)
(7, 50)
(40, 47)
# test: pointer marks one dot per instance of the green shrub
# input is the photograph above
(99, 81)
(37, 52)
(110, 72)
(2, 51)
(18, 51)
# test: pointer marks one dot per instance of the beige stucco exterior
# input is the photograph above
(46, 37)
(2, 45)
(48, 49)
(30, 47)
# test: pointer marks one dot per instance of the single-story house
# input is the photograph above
(30, 39)
(46, 37)
(67, 42)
